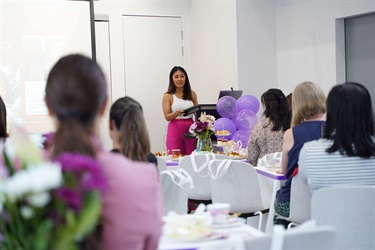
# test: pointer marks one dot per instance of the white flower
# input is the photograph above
(203, 117)
(9, 148)
(37, 139)
(39, 199)
(211, 119)
(192, 128)
(35, 179)
(26, 212)
(23, 146)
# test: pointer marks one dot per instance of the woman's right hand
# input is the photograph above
(179, 112)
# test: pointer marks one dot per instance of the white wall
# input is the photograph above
(213, 51)
(32, 39)
(210, 43)
(256, 39)
(210, 40)
(115, 10)
(306, 40)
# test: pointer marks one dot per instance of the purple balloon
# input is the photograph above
(245, 120)
(227, 106)
(243, 136)
(248, 102)
(225, 124)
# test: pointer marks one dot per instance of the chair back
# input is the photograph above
(196, 165)
(312, 237)
(300, 201)
(175, 185)
(162, 165)
(237, 183)
(351, 210)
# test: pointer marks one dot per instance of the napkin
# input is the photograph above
(272, 160)
(187, 227)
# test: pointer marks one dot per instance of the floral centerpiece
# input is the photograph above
(203, 129)
(50, 204)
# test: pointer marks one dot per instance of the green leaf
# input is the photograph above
(42, 235)
(89, 215)
(65, 235)
(8, 164)
(79, 226)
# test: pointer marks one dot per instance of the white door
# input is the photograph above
(152, 46)
(103, 59)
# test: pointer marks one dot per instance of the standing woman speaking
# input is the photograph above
(179, 96)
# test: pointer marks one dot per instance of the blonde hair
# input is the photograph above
(308, 99)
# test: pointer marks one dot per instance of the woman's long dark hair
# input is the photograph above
(76, 90)
(3, 119)
(350, 120)
(127, 115)
(187, 87)
(276, 109)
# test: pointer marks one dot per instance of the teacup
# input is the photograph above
(176, 153)
(237, 146)
(219, 212)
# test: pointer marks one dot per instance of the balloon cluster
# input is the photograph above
(237, 116)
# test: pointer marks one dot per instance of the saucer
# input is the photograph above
(228, 224)
(208, 237)
(228, 220)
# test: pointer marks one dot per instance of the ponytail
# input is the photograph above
(72, 136)
(3, 119)
(134, 139)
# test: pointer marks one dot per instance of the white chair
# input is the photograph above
(351, 210)
(307, 237)
(162, 165)
(196, 165)
(175, 185)
(300, 203)
(237, 183)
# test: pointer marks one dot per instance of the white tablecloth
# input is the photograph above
(234, 240)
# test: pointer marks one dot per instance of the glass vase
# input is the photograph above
(204, 145)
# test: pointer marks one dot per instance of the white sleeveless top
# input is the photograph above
(181, 104)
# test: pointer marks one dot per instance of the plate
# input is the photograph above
(169, 158)
(165, 157)
(235, 223)
(227, 220)
(210, 236)
(222, 135)
(223, 146)
(174, 159)
(238, 157)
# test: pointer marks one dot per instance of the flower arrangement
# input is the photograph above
(203, 129)
(46, 204)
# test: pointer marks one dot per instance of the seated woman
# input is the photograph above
(267, 135)
(309, 107)
(346, 153)
(76, 97)
(128, 131)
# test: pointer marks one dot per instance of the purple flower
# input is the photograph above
(87, 171)
(200, 126)
(204, 127)
(48, 137)
(4, 173)
(71, 197)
